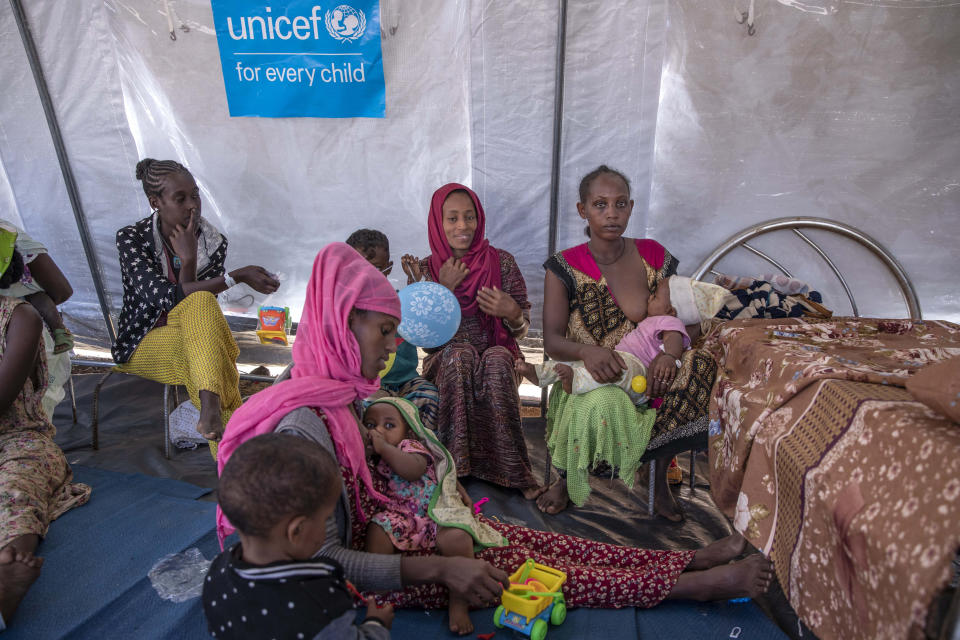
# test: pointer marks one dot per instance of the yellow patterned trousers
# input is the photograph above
(195, 349)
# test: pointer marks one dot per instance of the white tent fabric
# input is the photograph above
(845, 110)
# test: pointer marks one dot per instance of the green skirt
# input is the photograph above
(601, 425)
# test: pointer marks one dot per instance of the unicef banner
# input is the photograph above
(301, 58)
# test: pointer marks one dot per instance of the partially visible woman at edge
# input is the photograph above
(36, 482)
(336, 362)
(171, 327)
(594, 294)
(479, 415)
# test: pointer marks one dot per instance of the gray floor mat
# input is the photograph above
(131, 440)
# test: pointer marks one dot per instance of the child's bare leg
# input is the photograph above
(527, 370)
(456, 542)
(565, 373)
(378, 541)
(210, 425)
(47, 310)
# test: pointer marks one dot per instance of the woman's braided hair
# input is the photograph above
(151, 174)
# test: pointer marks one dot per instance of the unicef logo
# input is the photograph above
(345, 23)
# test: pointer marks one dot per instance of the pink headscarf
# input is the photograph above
(326, 372)
(482, 260)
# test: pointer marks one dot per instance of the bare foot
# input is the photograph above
(18, 570)
(555, 499)
(210, 425)
(527, 370)
(27, 558)
(459, 613)
(747, 578)
(211, 429)
(665, 505)
(719, 552)
(533, 492)
(565, 373)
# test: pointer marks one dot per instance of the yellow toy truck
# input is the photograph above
(534, 597)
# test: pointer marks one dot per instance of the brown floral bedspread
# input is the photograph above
(831, 468)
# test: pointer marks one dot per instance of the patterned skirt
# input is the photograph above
(598, 574)
(682, 420)
(478, 419)
(35, 485)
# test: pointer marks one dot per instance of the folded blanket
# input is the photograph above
(759, 299)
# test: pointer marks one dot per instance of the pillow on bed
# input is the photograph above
(938, 387)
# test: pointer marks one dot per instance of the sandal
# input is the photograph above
(62, 340)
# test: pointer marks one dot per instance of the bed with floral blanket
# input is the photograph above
(827, 463)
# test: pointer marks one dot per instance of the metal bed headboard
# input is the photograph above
(740, 239)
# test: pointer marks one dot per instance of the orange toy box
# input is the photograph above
(273, 323)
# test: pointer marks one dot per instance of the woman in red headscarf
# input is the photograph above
(479, 416)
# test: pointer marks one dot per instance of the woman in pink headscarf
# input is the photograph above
(479, 415)
(346, 333)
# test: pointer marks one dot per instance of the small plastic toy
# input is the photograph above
(273, 323)
(478, 505)
(356, 594)
(533, 599)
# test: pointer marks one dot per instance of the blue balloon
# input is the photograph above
(430, 314)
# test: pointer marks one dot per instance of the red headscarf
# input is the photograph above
(481, 258)
(326, 373)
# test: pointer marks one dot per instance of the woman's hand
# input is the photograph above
(411, 266)
(476, 581)
(605, 365)
(660, 374)
(499, 304)
(183, 240)
(452, 273)
(257, 278)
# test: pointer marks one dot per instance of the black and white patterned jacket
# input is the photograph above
(147, 291)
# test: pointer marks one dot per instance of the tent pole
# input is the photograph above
(68, 177)
(557, 128)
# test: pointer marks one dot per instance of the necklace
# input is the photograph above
(176, 258)
(623, 246)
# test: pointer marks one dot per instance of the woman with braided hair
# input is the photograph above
(171, 328)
